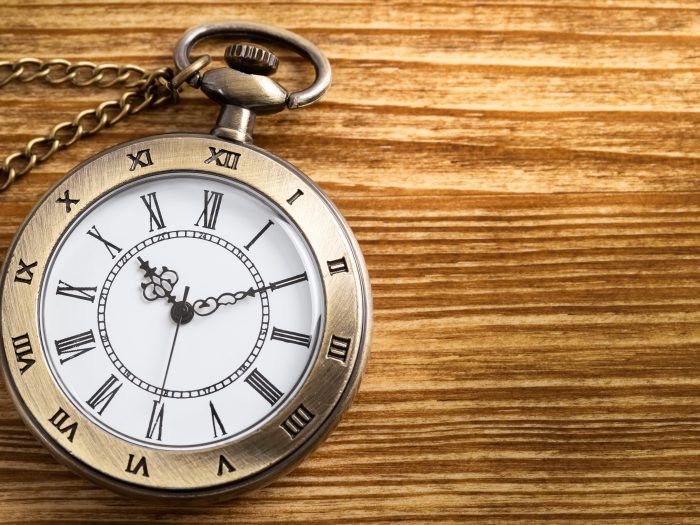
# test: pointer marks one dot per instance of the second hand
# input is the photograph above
(172, 348)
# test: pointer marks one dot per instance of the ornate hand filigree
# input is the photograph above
(210, 305)
(158, 285)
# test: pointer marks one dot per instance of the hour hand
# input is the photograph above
(157, 284)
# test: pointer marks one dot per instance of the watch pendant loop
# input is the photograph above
(260, 33)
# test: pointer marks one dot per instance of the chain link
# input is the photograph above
(144, 89)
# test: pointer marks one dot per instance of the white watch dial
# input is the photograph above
(181, 310)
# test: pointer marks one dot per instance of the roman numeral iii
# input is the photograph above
(288, 336)
(297, 421)
(210, 213)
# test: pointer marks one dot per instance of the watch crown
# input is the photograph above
(250, 58)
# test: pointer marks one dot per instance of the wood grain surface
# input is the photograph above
(523, 177)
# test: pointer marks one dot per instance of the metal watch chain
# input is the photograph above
(243, 89)
(144, 89)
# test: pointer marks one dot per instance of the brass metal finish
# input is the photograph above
(250, 58)
(258, 456)
(145, 89)
(261, 33)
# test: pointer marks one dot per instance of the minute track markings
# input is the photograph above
(126, 258)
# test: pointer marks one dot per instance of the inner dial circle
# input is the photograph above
(131, 330)
(181, 310)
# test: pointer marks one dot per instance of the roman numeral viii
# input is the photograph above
(23, 352)
(210, 213)
(75, 345)
(155, 216)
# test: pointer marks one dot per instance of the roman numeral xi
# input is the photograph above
(155, 216)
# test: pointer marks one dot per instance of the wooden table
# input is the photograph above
(523, 179)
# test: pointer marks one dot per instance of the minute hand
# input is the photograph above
(208, 306)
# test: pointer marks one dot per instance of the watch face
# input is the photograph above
(183, 316)
(181, 310)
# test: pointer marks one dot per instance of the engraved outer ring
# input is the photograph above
(258, 457)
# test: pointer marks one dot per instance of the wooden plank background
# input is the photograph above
(523, 179)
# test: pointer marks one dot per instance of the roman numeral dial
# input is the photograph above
(183, 310)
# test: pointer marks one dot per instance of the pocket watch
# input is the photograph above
(184, 315)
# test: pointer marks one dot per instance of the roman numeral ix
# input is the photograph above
(210, 213)
(154, 214)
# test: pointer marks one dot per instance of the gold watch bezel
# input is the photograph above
(259, 456)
